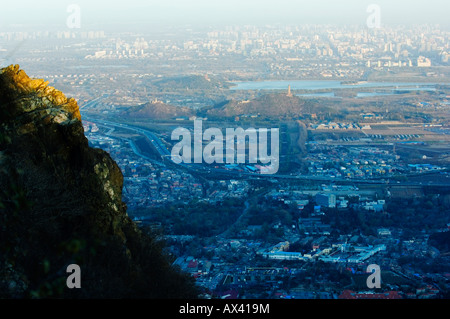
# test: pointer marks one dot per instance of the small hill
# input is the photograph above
(157, 110)
(270, 105)
(190, 82)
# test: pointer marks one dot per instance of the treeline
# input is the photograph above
(196, 218)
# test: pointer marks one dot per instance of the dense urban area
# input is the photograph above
(364, 123)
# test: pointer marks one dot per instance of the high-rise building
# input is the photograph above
(326, 200)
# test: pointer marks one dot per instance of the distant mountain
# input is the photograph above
(270, 105)
(190, 82)
(61, 204)
(157, 110)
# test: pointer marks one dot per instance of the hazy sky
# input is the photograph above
(98, 13)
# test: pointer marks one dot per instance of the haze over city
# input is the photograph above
(121, 14)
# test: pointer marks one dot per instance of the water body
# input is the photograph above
(323, 85)
(372, 94)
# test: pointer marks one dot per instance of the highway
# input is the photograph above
(205, 169)
(156, 142)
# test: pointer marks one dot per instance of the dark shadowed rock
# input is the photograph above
(61, 204)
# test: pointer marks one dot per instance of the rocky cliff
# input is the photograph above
(61, 204)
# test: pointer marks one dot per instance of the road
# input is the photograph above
(205, 169)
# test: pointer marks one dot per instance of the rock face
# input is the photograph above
(61, 204)
(32, 95)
